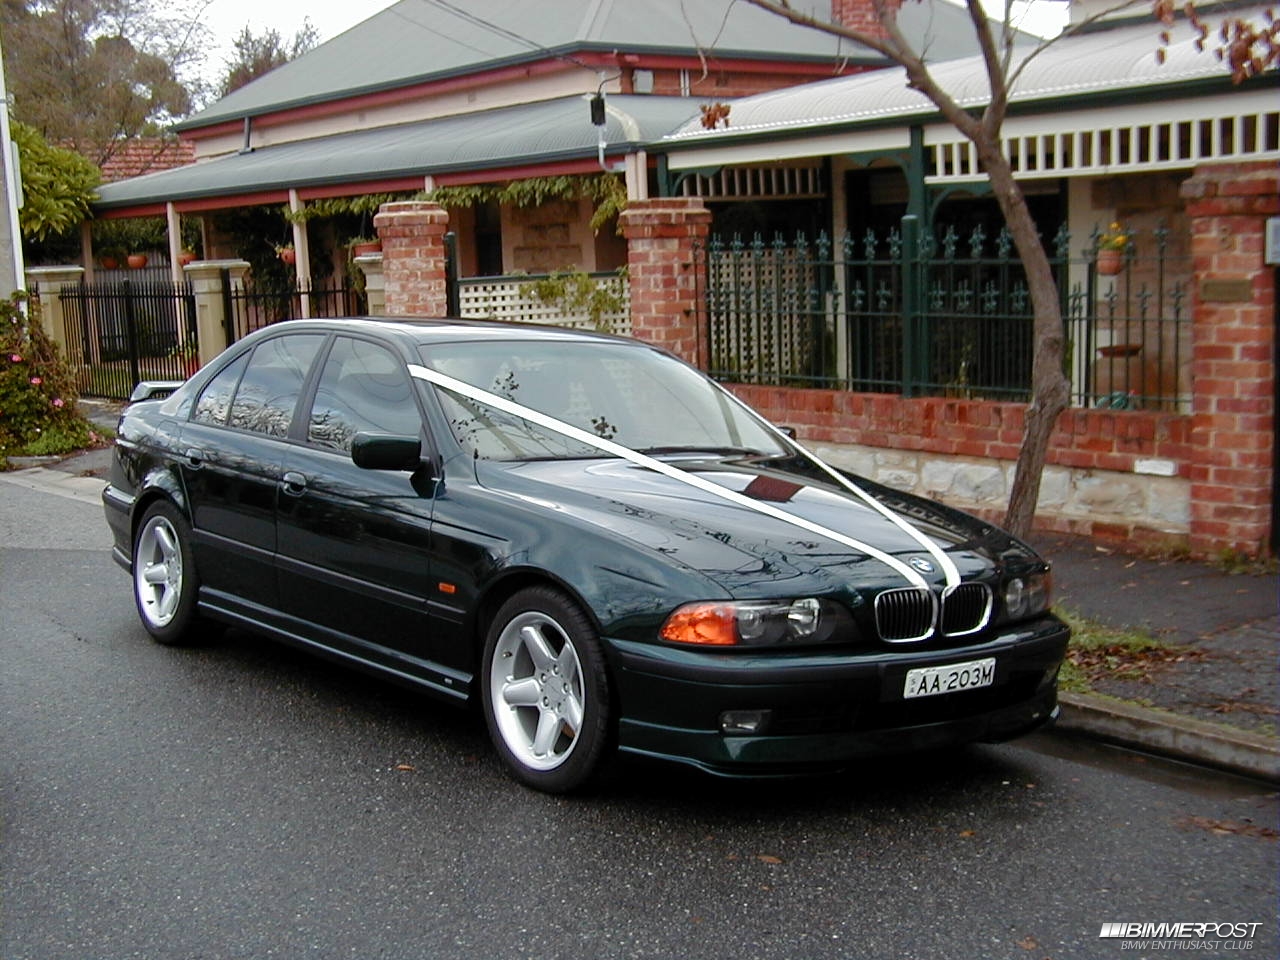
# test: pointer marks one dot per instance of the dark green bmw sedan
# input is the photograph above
(585, 536)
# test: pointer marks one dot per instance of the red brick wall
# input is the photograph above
(1233, 355)
(1085, 439)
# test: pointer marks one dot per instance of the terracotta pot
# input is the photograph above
(364, 249)
(109, 263)
(1110, 262)
(1121, 350)
(137, 261)
(289, 255)
(186, 257)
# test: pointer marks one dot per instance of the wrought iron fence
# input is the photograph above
(122, 331)
(913, 315)
(258, 304)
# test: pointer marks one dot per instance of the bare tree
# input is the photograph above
(1248, 49)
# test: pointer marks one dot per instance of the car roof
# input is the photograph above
(422, 330)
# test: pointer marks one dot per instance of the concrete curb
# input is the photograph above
(84, 489)
(1170, 735)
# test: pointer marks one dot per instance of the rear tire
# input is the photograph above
(165, 582)
(545, 691)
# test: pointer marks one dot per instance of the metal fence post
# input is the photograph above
(912, 303)
(452, 293)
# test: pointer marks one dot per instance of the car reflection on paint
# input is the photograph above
(589, 538)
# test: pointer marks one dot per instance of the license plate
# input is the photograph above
(953, 678)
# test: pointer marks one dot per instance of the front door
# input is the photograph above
(354, 544)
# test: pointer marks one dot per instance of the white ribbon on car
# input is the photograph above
(465, 389)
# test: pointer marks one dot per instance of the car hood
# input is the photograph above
(750, 553)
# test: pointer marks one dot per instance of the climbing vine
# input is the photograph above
(606, 192)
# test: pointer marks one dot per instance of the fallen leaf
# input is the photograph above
(767, 858)
(968, 833)
(408, 768)
(1028, 943)
(1224, 828)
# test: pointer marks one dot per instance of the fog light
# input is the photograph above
(744, 721)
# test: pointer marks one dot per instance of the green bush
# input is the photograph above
(38, 413)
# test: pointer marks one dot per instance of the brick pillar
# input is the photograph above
(413, 258)
(1233, 334)
(665, 273)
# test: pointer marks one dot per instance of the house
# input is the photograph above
(429, 94)
(1173, 438)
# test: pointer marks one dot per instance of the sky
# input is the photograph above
(226, 18)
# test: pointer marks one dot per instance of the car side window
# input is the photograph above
(363, 387)
(269, 390)
(215, 399)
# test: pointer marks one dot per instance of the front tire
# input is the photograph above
(165, 582)
(545, 691)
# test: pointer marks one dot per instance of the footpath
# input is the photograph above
(1210, 695)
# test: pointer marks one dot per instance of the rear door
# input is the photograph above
(232, 456)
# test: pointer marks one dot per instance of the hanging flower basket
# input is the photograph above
(137, 261)
(288, 255)
(110, 263)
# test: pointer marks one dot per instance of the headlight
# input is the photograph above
(758, 623)
(1028, 595)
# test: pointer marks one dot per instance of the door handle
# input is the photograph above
(294, 484)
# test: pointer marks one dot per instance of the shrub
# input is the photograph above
(38, 413)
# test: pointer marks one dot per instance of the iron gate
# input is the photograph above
(120, 332)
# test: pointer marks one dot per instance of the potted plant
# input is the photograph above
(363, 246)
(110, 259)
(137, 261)
(185, 257)
(286, 253)
(1113, 248)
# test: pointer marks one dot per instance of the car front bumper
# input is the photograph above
(825, 710)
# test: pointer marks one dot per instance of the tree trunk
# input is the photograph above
(1050, 389)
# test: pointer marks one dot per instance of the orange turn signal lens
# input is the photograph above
(706, 624)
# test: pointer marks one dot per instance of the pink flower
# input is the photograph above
(36, 381)
(57, 402)
(15, 357)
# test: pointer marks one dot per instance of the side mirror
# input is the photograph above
(788, 431)
(380, 451)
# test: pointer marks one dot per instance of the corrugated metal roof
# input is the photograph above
(537, 132)
(1117, 61)
(419, 40)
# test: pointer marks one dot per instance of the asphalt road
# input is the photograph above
(245, 801)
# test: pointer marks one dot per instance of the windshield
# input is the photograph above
(634, 396)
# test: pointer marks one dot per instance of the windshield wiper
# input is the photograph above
(718, 451)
